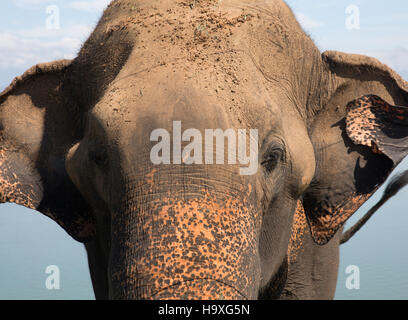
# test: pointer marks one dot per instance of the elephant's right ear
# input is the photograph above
(39, 122)
(359, 136)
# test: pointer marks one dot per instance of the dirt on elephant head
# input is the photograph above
(210, 41)
(188, 25)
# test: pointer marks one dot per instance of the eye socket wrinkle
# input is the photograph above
(273, 155)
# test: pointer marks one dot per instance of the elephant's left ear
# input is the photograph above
(39, 122)
(360, 135)
(374, 123)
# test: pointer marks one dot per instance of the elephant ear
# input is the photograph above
(39, 122)
(359, 136)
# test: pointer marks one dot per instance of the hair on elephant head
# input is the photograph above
(77, 142)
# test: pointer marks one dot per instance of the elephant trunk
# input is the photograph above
(192, 243)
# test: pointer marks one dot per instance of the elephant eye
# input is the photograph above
(98, 156)
(272, 157)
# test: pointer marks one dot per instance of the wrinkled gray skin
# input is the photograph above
(313, 276)
(75, 145)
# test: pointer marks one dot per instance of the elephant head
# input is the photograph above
(103, 144)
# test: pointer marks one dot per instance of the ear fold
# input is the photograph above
(359, 137)
(38, 124)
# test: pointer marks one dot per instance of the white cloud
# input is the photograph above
(24, 48)
(84, 5)
(88, 6)
(306, 22)
(31, 3)
(18, 52)
(75, 31)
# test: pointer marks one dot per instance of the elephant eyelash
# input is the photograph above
(272, 157)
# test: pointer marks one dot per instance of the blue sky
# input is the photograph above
(25, 40)
(383, 31)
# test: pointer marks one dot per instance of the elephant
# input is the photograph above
(95, 143)
(312, 269)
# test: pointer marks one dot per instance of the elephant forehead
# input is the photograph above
(140, 10)
(208, 47)
(207, 101)
(210, 36)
